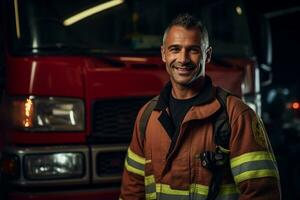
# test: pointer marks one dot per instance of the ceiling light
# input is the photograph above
(92, 11)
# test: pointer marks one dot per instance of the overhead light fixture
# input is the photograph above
(92, 11)
(17, 18)
(239, 10)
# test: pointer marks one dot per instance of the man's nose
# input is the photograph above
(183, 56)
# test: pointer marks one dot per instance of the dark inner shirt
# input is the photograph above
(178, 108)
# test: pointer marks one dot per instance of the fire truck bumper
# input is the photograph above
(101, 194)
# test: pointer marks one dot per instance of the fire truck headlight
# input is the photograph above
(48, 114)
(54, 166)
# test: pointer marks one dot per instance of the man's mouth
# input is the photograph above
(184, 68)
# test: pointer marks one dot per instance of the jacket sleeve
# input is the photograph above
(252, 161)
(132, 187)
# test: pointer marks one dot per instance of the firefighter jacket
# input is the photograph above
(158, 167)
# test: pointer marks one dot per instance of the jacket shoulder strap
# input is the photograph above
(222, 132)
(146, 115)
(221, 126)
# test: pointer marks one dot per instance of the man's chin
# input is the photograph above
(182, 82)
(189, 82)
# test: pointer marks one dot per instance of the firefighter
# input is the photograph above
(177, 156)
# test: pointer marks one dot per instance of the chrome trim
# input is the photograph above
(105, 148)
(22, 151)
(82, 193)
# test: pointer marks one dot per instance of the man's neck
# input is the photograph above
(187, 92)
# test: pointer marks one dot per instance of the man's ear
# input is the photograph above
(208, 53)
(163, 53)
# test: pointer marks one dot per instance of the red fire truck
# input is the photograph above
(73, 75)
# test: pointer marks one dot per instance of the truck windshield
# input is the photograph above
(121, 26)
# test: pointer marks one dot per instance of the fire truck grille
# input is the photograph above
(113, 120)
(110, 163)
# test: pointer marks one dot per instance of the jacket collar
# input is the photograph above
(205, 96)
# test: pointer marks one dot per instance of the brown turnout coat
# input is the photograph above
(158, 167)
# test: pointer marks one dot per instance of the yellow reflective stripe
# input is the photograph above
(134, 170)
(135, 157)
(147, 161)
(228, 189)
(225, 189)
(199, 189)
(149, 180)
(248, 157)
(203, 189)
(223, 149)
(150, 188)
(166, 189)
(151, 195)
(255, 174)
(196, 188)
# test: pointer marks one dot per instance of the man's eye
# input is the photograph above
(175, 49)
(195, 50)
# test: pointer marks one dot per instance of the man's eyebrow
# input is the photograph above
(179, 46)
(174, 45)
(195, 46)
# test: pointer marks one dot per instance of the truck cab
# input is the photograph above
(74, 75)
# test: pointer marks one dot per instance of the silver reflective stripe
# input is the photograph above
(198, 197)
(150, 188)
(253, 165)
(135, 164)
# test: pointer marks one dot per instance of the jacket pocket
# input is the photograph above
(201, 175)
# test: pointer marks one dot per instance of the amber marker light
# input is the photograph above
(28, 113)
(10, 166)
(22, 113)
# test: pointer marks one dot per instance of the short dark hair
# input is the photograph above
(189, 21)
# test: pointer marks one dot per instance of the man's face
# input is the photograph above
(184, 56)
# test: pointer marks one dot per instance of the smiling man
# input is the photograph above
(185, 51)
(178, 151)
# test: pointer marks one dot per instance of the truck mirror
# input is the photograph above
(266, 75)
(265, 53)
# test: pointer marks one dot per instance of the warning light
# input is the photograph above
(295, 105)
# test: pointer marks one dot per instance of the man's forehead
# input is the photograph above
(178, 33)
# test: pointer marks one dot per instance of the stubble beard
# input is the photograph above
(173, 65)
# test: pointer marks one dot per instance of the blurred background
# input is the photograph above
(281, 99)
(72, 84)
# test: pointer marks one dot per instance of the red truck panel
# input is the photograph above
(71, 195)
(45, 76)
